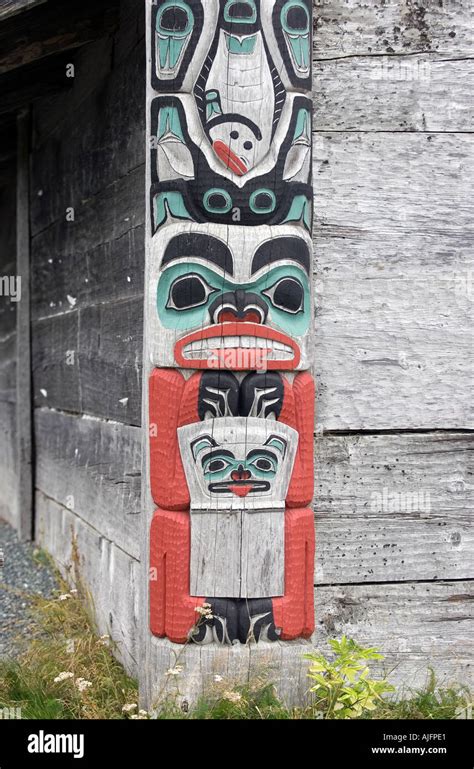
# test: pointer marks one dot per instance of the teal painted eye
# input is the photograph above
(240, 11)
(286, 294)
(216, 465)
(295, 18)
(262, 201)
(188, 291)
(264, 464)
(175, 19)
(217, 201)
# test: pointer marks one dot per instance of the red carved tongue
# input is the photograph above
(240, 491)
(229, 158)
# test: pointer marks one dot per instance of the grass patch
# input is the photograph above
(258, 701)
(67, 671)
(92, 684)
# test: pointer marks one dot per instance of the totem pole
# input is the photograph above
(229, 320)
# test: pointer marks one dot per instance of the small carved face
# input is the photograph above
(241, 462)
(247, 473)
(236, 144)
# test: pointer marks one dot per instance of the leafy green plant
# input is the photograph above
(342, 686)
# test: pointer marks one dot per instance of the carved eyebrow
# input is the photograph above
(217, 453)
(204, 246)
(281, 248)
(261, 453)
(207, 440)
(233, 117)
(281, 443)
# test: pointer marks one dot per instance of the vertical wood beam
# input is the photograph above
(23, 371)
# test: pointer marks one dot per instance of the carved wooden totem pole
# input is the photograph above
(229, 320)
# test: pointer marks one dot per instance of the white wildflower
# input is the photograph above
(176, 671)
(205, 611)
(82, 684)
(143, 713)
(64, 597)
(218, 679)
(63, 676)
(129, 707)
(232, 696)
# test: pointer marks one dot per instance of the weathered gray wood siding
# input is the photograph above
(8, 317)
(394, 287)
(393, 154)
(87, 297)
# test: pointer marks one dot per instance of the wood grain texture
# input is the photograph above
(48, 30)
(98, 220)
(8, 348)
(425, 92)
(92, 468)
(96, 139)
(8, 322)
(416, 625)
(89, 361)
(24, 446)
(8, 308)
(393, 281)
(108, 574)
(351, 28)
(8, 464)
(9, 8)
(393, 507)
(433, 470)
(39, 79)
(281, 663)
(105, 273)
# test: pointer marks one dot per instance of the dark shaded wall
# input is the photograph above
(87, 253)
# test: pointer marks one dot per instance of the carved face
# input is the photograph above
(236, 144)
(241, 303)
(236, 463)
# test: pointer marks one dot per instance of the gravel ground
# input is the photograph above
(21, 577)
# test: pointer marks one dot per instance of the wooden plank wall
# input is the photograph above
(393, 243)
(8, 319)
(24, 447)
(87, 297)
(393, 146)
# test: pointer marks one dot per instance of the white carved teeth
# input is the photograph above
(231, 341)
(276, 350)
